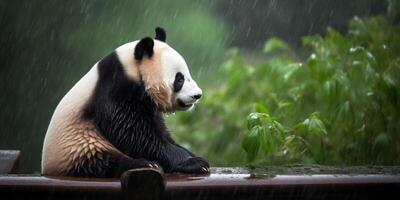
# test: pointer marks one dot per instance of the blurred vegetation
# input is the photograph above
(339, 106)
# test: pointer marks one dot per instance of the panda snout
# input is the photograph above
(197, 96)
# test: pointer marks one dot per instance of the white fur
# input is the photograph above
(126, 57)
(65, 121)
(172, 62)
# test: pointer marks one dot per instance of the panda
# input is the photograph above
(112, 118)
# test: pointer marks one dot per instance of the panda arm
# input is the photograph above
(190, 153)
(181, 160)
(170, 140)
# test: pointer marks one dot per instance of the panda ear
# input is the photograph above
(160, 34)
(144, 48)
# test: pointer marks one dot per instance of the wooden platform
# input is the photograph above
(223, 183)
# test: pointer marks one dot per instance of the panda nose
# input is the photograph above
(198, 96)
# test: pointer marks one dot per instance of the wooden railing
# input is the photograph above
(290, 182)
(215, 186)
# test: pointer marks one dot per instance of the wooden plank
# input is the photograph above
(39, 187)
(219, 185)
(243, 186)
(9, 160)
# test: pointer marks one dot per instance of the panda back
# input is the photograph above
(67, 118)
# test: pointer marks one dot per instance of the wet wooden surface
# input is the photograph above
(223, 183)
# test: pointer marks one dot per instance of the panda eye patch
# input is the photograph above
(178, 83)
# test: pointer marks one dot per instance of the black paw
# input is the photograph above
(194, 165)
(143, 163)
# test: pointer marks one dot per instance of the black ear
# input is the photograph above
(160, 34)
(144, 48)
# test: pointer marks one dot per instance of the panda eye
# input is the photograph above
(178, 83)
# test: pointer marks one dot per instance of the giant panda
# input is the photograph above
(112, 118)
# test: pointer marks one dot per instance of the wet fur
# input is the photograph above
(128, 118)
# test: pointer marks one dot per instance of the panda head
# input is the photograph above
(162, 70)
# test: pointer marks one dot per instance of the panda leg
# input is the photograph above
(109, 164)
(91, 155)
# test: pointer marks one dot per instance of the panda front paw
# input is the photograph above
(194, 165)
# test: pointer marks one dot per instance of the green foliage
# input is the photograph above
(274, 44)
(340, 106)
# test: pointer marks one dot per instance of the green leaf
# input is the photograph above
(317, 124)
(256, 119)
(292, 68)
(381, 142)
(274, 44)
(312, 125)
(261, 108)
(251, 143)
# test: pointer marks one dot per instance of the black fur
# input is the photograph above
(111, 165)
(144, 48)
(178, 82)
(100, 169)
(127, 117)
(160, 34)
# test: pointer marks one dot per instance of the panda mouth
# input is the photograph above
(184, 105)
